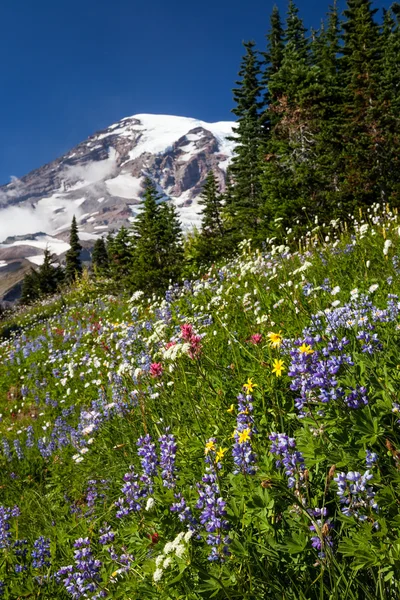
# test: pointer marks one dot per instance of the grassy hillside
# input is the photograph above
(239, 438)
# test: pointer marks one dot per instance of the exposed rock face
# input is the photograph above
(101, 181)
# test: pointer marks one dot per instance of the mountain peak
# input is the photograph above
(101, 180)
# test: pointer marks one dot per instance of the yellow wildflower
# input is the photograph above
(249, 386)
(306, 349)
(231, 409)
(279, 367)
(244, 436)
(275, 339)
(220, 454)
(209, 446)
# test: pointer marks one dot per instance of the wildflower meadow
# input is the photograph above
(238, 438)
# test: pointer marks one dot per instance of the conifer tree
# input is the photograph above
(49, 277)
(73, 264)
(171, 244)
(287, 160)
(120, 253)
(30, 287)
(273, 58)
(100, 260)
(362, 133)
(212, 238)
(245, 166)
(389, 101)
(147, 235)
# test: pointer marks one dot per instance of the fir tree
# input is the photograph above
(147, 234)
(100, 260)
(362, 133)
(171, 244)
(73, 264)
(30, 287)
(245, 166)
(49, 276)
(211, 240)
(120, 252)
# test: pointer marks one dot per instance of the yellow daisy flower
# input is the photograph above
(275, 339)
(249, 386)
(278, 367)
(209, 446)
(220, 454)
(244, 436)
(306, 349)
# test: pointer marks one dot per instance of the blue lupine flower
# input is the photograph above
(167, 459)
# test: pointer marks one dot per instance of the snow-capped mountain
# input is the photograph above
(101, 182)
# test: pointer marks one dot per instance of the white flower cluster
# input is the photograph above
(176, 548)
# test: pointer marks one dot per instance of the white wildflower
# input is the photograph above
(386, 247)
(169, 547)
(159, 560)
(167, 562)
(150, 504)
(373, 288)
(180, 550)
(335, 290)
(188, 536)
(158, 573)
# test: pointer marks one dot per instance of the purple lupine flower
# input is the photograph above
(284, 447)
(319, 542)
(18, 449)
(371, 458)
(356, 496)
(84, 576)
(356, 398)
(41, 553)
(167, 459)
(213, 510)
(242, 452)
(133, 494)
(149, 460)
(106, 535)
(314, 373)
(5, 515)
(6, 449)
(30, 439)
(185, 514)
(20, 550)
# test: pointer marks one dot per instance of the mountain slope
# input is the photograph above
(101, 181)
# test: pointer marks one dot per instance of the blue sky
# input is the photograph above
(71, 67)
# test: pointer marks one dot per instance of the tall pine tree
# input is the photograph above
(73, 264)
(363, 138)
(245, 166)
(100, 260)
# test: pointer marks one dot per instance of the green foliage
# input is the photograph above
(100, 259)
(158, 249)
(73, 264)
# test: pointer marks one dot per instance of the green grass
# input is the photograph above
(77, 372)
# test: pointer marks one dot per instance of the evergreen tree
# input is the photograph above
(147, 234)
(100, 260)
(49, 276)
(120, 252)
(245, 166)
(273, 58)
(30, 287)
(389, 101)
(212, 238)
(73, 264)
(171, 244)
(362, 133)
(287, 161)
